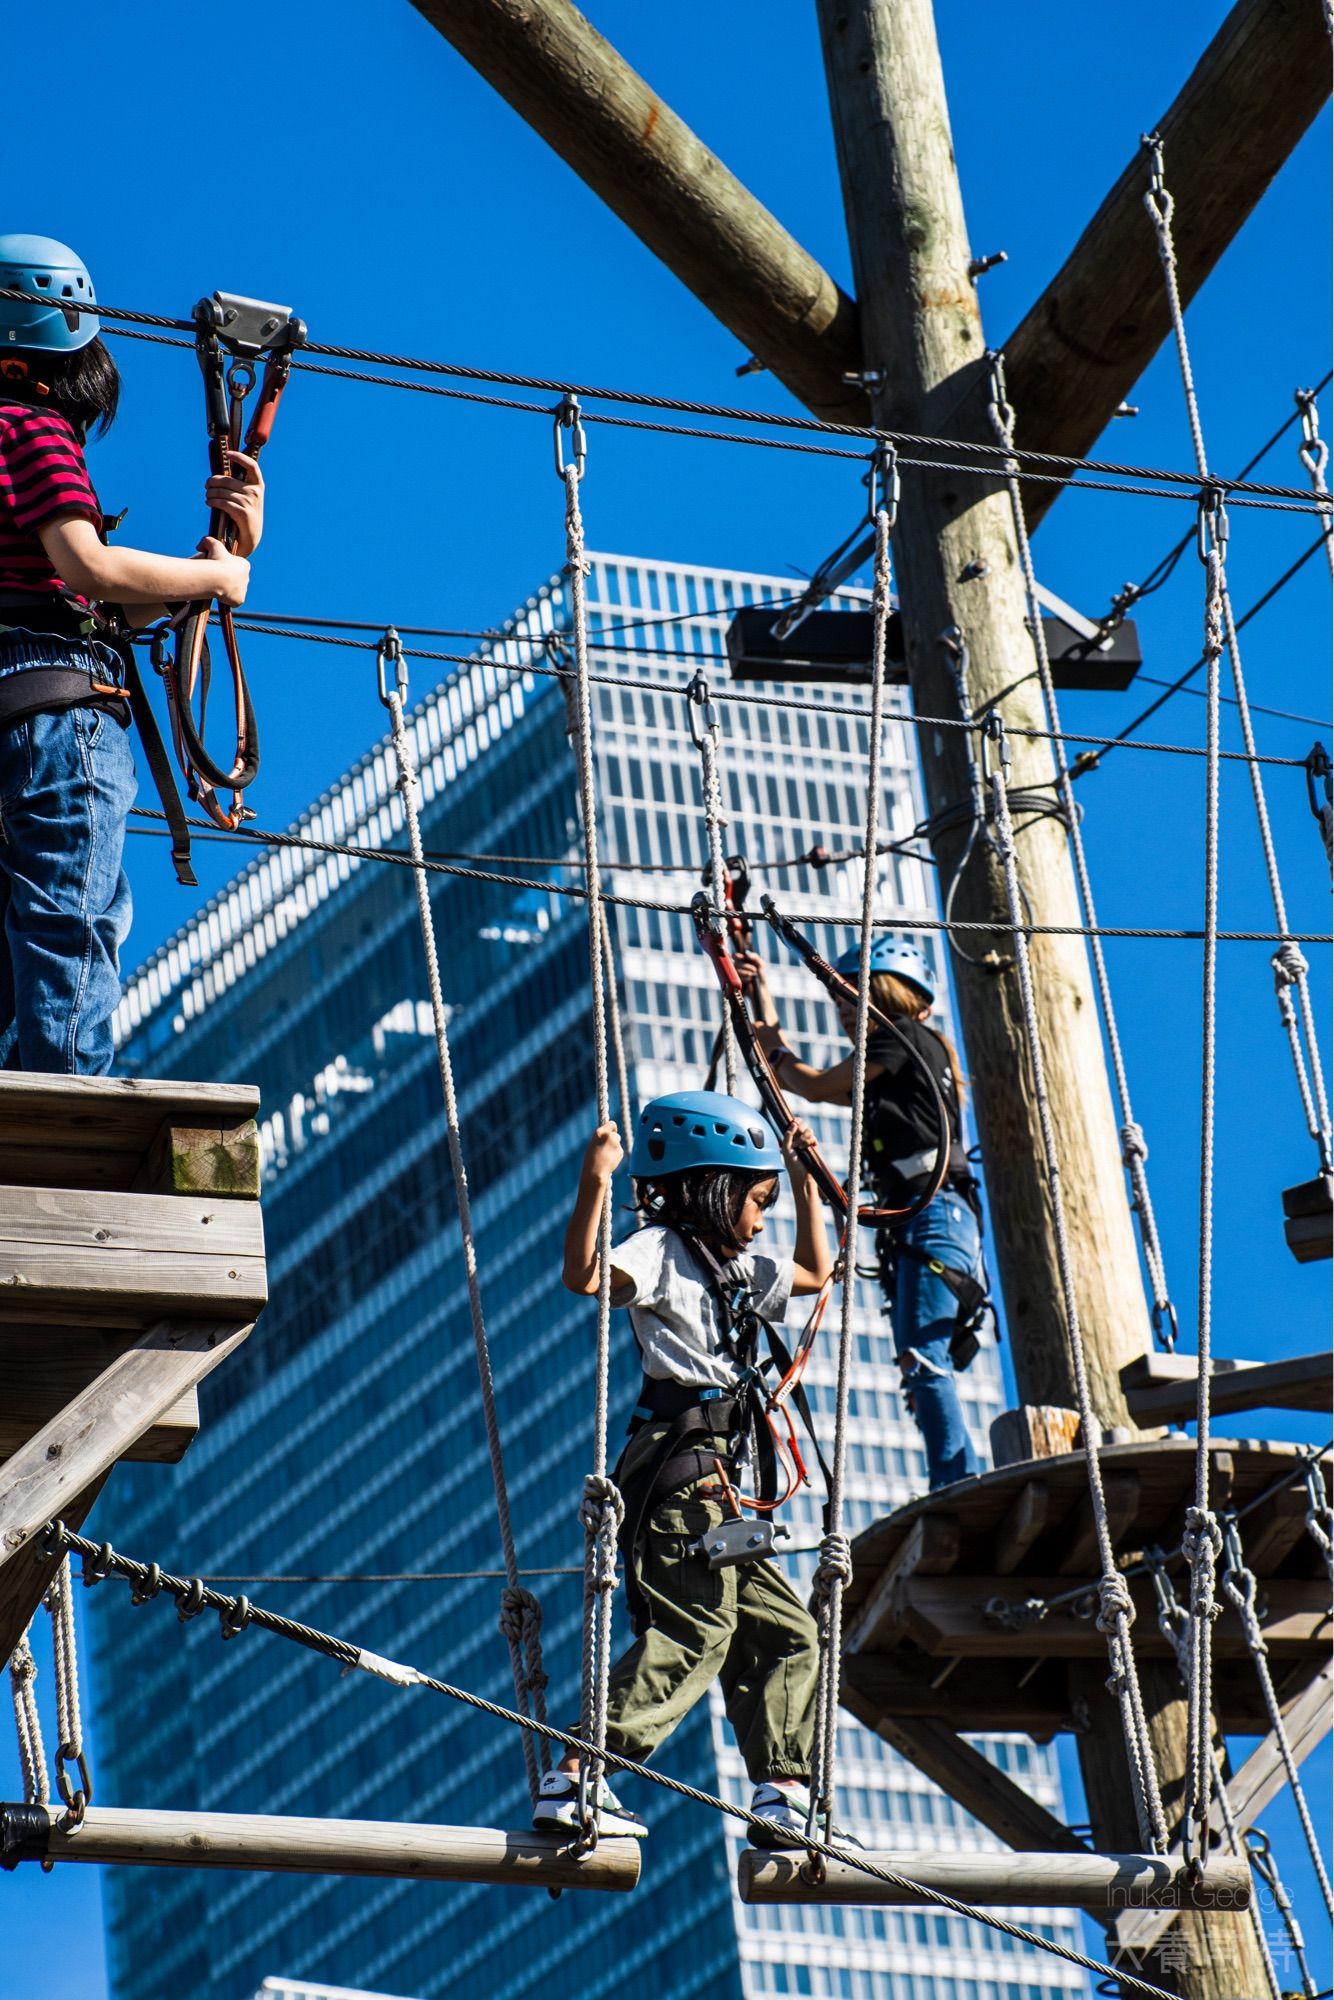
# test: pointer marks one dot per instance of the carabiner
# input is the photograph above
(1212, 529)
(882, 482)
(570, 418)
(390, 647)
(995, 761)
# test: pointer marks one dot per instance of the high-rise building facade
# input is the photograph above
(345, 1440)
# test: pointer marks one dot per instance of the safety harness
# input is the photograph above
(747, 1414)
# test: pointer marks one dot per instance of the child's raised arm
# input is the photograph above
(601, 1159)
(811, 1259)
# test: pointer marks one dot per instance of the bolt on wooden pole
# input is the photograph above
(924, 355)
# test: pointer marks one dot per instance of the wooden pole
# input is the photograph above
(325, 1847)
(1107, 1882)
(604, 120)
(957, 567)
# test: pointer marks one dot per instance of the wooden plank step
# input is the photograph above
(1090, 1881)
(42, 1371)
(139, 1255)
(1163, 1388)
(102, 1132)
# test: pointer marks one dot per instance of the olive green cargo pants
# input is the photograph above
(744, 1626)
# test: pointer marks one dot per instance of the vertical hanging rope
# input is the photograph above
(559, 654)
(28, 1723)
(601, 1508)
(1134, 1150)
(1174, 1624)
(834, 1569)
(1314, 455)
(1289, 965)
(1116, 1609)
(1241, 1587)
(703, 718)
(1203, 1539)
(59, 1601)
(520, 1611)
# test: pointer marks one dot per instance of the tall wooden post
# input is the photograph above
(924, 359)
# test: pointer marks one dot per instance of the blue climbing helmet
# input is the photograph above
(896, 955)
(50, 270)
(702, 1128)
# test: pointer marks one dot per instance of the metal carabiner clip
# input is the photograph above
(1212, 528)
(570, 418)
(995, 758)
(882, 481)
(390, 647)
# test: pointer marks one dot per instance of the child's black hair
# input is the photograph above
(705, 1200)
(83, 386)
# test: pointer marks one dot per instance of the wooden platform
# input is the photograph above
(942, 1623)
(131, 1263)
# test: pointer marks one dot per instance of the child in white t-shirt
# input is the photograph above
(705, 1169)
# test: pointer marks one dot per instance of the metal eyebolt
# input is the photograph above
(240, 380)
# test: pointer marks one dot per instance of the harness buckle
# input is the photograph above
(735, 1542)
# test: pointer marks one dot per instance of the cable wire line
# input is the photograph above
(193, 1597)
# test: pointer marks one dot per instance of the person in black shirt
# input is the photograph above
(902, 1136)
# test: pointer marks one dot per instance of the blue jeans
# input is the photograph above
(66, 786)
(922, 1312)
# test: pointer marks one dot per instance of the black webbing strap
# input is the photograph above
(159, 765)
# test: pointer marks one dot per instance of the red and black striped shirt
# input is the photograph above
(42, 475)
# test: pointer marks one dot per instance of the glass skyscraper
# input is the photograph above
(345, 1439)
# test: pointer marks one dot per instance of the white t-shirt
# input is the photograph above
(673, 1309)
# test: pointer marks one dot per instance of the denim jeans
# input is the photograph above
(922, 1312)
(66, 786)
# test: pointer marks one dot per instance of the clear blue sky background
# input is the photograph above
(345, 160)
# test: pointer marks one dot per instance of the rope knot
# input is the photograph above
(1114, 1603)
(602, 1511)
(1134, 1146)
(1290, 966)
(521, 1625)
(1202, 1544)
(834, 1565)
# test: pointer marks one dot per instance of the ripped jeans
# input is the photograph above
(922, 1312)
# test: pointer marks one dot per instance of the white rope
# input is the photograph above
(59, 1601)
(1261, 1858)
(1314, 455)
(703, 717)
(1116, 1608)
(1289, 965)
(1240, 1587)
(520, 1612)
(834, 1570)
(1174, 1624)
(27, 1721)
(615, 1025)
(601, 1508)
(1134, 1149)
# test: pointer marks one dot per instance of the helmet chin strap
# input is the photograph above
(16, 368)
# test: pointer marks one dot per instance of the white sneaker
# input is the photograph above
(785, 1809)
(558, 1805)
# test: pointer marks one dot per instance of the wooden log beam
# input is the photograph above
(97, 1131)
(96, 1427)
(949, 1614)
(325, 1847)
(25, 1577)
(607, 123)
(40, 1370)
(1106, 1882)
(966, 1775)
(930, 1548)
(1163, 1388)
(65, 1251)
(1082, 346)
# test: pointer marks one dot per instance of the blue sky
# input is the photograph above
(362, 172)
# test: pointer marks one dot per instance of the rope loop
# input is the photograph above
(521, 1624)
(1133, 1143)
(602, 1511)
(1202, 1544)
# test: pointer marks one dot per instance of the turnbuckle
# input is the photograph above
(569, 417)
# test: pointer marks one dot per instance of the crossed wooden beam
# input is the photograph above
(1088, 337)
